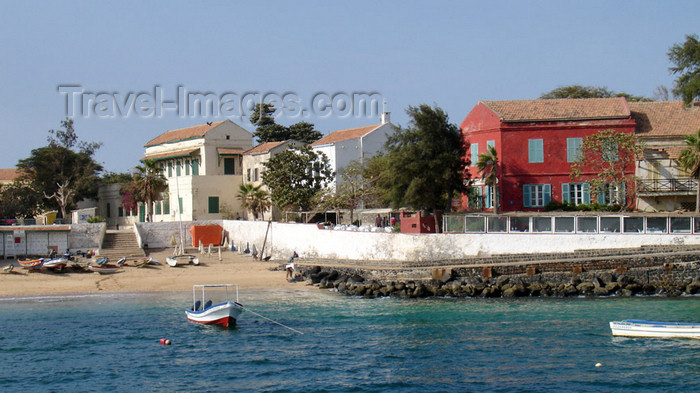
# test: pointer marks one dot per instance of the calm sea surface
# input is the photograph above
(102, 343)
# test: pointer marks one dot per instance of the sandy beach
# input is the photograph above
(233, 268)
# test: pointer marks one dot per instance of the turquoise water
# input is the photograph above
(104, 343)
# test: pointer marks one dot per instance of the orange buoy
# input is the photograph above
(165, 341)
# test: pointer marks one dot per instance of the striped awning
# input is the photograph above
(170, 154)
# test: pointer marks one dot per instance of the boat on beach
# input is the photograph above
(185, 259)
(104, 269)
(223, 313)
(31, 264)
(642, 328)
(56, 263)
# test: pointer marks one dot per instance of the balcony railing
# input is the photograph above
(667, 186)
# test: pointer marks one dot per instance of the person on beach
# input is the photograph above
(378, 221)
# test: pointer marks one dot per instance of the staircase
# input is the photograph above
(120, 244)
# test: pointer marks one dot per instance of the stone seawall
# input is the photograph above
(669, 275)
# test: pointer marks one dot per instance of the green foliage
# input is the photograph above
(423, 166)
(295, 176)
(254, 198)
(94, 220)
(269, 131)
(578, 91)
(354, 189)
(113, 178)
(146, 186)
(607, 157)
(488, 167)
(18, 200)
(583, 207)
(686, 60)
(689, 160)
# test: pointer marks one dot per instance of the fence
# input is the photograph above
(571, 224)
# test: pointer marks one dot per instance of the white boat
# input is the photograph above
(104, 269)
(55, 263)
(182, 260)
(640, 328)
(222, 313)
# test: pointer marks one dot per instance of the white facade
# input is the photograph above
(203, 168)
(344, 146)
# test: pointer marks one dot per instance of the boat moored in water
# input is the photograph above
(223, 313)
(642, 328)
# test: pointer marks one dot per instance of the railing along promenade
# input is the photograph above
(667, 186)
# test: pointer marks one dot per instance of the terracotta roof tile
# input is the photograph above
(8, 174)
(264, 147)
(229, 150)
(182, 133)
(560, 109)
(343, 135)
(665, 118)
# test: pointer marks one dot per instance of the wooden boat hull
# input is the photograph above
(224, 314)
(640, 328)
(30, 263)
(104, 269)
(182, 260)
(56, 263)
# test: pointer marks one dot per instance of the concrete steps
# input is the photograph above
(120, 244)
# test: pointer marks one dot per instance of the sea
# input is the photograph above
(313, 340)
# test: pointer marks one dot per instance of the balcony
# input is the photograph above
(680, 186)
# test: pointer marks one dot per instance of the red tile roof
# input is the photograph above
(182, 133)
(264, 147)
(8, 174)
(560, 109)
(665, 118)
(170, 154)
(343, 135)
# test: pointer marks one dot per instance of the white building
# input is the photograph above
(254, 164)
(662, 126)
(353, 144)
(203, 167)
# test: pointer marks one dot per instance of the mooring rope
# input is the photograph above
(268, 319)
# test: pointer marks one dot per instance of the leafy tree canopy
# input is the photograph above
(686, 64)
(18, 200)
(267, 130)
(578, 91)
(689, 160)
(424, 166)
(295, 176)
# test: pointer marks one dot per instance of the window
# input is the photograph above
(610, 152)
(178, 168)
(179, 202)
(166, 206)
(490, 144)
(248, 175)
(535, 150)
(610, 194)
(170, 169)
(542, 224)
(158, 208)
(489, 197)
(475, 153)
(475, 197)
(229, 166)
(195, 167)
(213, 205)
(536, 195)
(187, 167)
(576, 193)
(109, 210)
(120, 211)
(573, 149)
(633, 224)
(228, 137)
(255, 175)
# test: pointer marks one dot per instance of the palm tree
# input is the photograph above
(689, 159)
(254, 198)
(150, 182)
(488, 166)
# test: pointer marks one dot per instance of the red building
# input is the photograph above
(536, 142)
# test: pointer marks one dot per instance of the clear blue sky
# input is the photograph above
(449, 53)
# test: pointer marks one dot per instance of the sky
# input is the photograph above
(127, 71)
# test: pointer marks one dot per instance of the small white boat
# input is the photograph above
(641, 328)
(104, 269)
(55, 263)
(222, 313)
(184, 259)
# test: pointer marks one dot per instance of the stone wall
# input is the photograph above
(161, 234)
(86, 236)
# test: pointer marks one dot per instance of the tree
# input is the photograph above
(488, 167)
(18, 200)
(149, 183)
(689, 160)
(254, 198)
(353, 190)
(686, 60)
(609, 156)
(578, 91)
(424, 164)
(294, 176)
(267, 130)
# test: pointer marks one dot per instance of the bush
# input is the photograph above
(96, 219)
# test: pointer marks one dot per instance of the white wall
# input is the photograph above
(310, 242)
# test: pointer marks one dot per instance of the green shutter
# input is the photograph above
(623, 194)
(535, 150)
(170, 169)
(179, 203)
(526, 195)
(601, 195)
(586, 193)
(487, 197)
(213, 204)
(547, 194)
(475, 153)
(195, 167)
(229, 166)
(565, 193)
(166, 206)
(178, 168)
(573, 149)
